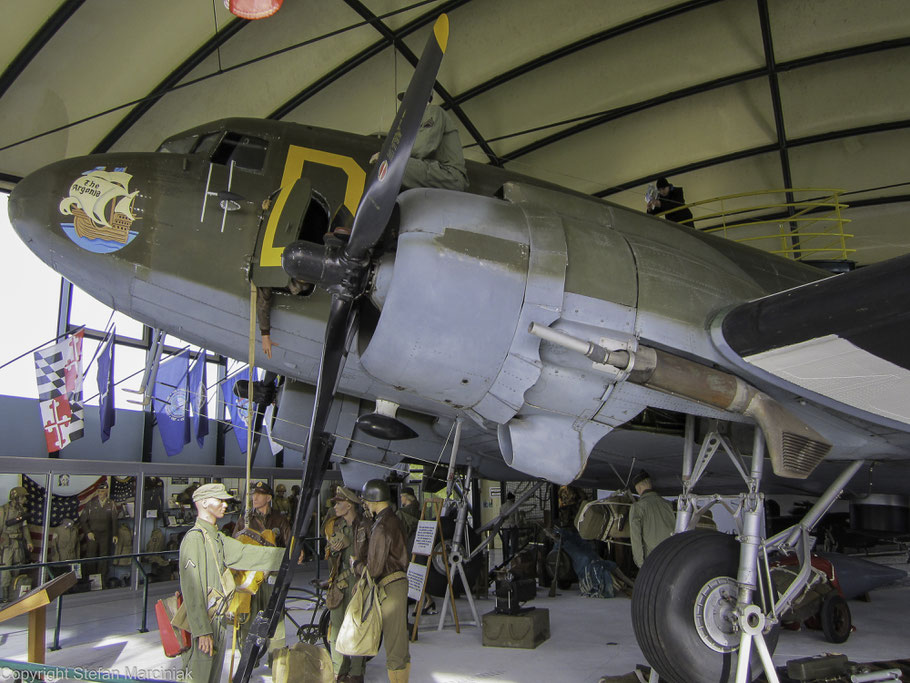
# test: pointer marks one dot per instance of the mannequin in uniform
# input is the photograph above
(64, 545)
(264, 518)
(14, 539)
(281, 502)
(98, 521)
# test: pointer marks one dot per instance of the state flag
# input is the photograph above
(105, 378)
(58, 370)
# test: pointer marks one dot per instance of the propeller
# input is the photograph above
(342, 269)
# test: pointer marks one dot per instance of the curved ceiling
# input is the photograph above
(602, 96)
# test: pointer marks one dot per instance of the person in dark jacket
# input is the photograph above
(386, 559)
(667, 197)
(98, 521)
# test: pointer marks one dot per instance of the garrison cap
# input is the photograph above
(408, 490)
(345, 495)
(211, 491)
(262, 487)
(662, 182)
(641, 476)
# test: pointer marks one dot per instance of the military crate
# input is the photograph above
(526, 630)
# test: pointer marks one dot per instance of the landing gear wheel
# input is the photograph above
(683, 609)
(436, 576)
(835, 617)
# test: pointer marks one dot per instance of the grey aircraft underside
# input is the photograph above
(468, 275)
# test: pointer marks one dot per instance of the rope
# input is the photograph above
(249, 411)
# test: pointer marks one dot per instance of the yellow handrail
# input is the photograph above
(826, 235)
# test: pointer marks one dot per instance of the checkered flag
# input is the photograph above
(58, 369)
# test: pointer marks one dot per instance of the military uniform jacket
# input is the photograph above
(11, 534)
(651, 520)
(99, 518)
(437, 140)
(345, 541)
(387, 551)
(282, 505)
(273, 520)
(204, 554)
(64, 544)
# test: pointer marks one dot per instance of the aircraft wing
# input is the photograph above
(840, 342)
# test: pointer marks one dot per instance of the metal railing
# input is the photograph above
(801, 229)
(312, 543)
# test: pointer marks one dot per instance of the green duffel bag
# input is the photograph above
(303, 663)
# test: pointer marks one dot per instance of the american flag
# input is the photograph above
(58, 369)
(123, 488)
(62, 507)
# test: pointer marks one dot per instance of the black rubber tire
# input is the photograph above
(663, 608)
(325, 620)
(436, 580)
(566, 571)
(835, 618)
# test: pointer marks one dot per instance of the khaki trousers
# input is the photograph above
(341, 664)
(393, 603)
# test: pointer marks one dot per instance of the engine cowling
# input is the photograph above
(456, 307)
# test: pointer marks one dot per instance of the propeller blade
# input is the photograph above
(316, 461)
(384, 181)
(374, 211)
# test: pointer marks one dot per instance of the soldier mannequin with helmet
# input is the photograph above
(15, 543)
(386, 559)
(346, 538)
(281, 502)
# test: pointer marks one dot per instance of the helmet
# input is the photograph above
(376, 491)
(18, 492)
(281, 488)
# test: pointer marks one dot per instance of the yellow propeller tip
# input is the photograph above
(441, 30)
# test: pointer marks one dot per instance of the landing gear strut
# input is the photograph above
(703, 607)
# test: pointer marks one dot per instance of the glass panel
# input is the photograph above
(95, 315)
(30, 307)
(245, 151)
(178, 145)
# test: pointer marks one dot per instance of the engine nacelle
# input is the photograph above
(465, 284)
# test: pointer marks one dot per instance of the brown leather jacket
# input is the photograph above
(387, 551)
(274, 520)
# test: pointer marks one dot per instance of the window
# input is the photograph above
(244, 151)
(178, 145)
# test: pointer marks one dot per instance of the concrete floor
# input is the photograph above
(589, 638)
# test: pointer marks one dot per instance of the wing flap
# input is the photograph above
(841, 341)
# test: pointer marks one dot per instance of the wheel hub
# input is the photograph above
(715, 614)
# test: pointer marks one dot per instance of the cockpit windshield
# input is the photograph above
(181, 145)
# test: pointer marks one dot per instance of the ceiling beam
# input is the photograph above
(393, 39)
(756, 151)
(723, 81)
(363, 56)
(41, 38)
(170, 81)
(581, 44)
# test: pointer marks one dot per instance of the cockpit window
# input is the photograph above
(245, 151)
(178, 145)
(207, 144)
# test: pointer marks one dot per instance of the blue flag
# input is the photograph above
(199, 395)
(238, 408)
(106, 386)
(171, 402)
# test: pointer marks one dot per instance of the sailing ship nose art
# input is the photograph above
(102, 210)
